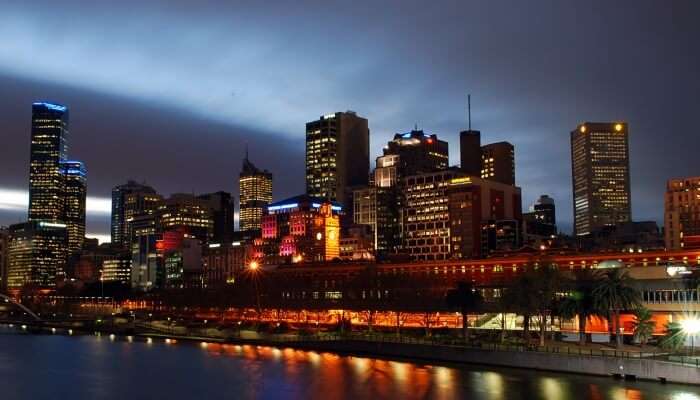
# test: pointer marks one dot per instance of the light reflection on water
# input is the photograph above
(85, 367)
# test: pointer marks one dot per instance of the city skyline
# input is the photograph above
(539, 131)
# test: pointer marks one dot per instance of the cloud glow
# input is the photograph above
(18, 200)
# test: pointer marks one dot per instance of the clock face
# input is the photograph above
(331, 235)
(319, 236)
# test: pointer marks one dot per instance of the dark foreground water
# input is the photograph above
(90, 367)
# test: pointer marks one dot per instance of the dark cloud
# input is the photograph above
(169, 93)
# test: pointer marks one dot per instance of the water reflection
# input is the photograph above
(81, 367)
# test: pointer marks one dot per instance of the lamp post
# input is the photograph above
(254, 267)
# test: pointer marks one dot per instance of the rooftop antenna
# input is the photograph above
(246, 150)
(415, 126)
(469, 110)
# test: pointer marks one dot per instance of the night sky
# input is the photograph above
(170, 92)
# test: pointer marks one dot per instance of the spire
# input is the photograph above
(246, 151)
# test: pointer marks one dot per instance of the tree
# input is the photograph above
(522, 299)
(674, 338)
(467, 299)
(615, 293)
(643, 325)
(581, 301)
(548, 283)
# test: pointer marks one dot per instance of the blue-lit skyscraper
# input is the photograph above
(48, 149)
(75, 192)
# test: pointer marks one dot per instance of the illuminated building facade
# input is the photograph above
(425, 217)
(147, 271)
(128, 201)
(498, 162)
(255, 189)
(300, 229)
(418, 153)
(188, 212)
(49, 147)
(75, 192)
(36, 254)
(117, 268)
(337, 157)
(682, 214)
(600, 173)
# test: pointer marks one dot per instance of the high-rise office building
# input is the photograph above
(540, 222)
(418, 152)
(222, 209)
(188, 213)
(337, 157)
(128, 201)
(255, 190)
(682, 214)
(485, 216)
(36, 254)
(600, 174)
(49, 138)
(498, 162)
(75, 192)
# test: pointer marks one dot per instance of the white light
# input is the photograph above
(691, 326)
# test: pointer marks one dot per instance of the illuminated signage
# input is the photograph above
(51, 225)
(460, 181)
(283, 207)
(673, 270)
(50, 106)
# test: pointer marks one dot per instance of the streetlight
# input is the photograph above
(691, 327)
(254, 267)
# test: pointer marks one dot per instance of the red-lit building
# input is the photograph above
(301, 228)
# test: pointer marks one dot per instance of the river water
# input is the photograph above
(91, 367)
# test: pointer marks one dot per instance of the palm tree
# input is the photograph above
(643, 325)
(615, 293)
(467, 299)
(581, 301)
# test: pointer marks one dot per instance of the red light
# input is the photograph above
(429, 141)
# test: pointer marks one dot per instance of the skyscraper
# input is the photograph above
(337, 157)
(48, 148)
(418, 152)
(682, 214)
(600, 174)
(129, 200)
(222, 208)
(255, 189)
(498, 162)
(36, 254)
(75, 192)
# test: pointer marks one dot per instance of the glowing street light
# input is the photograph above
(253, 266)
(691, 327)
